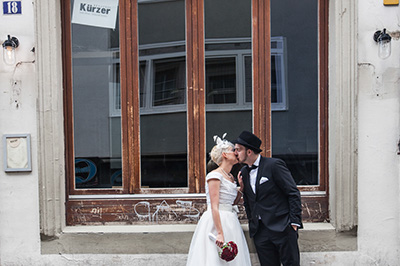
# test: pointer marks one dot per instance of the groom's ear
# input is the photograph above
(249, 152)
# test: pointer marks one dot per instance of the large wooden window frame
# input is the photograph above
(315, 198)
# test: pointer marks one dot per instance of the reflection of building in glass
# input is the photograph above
(162, 89)
(159, 74)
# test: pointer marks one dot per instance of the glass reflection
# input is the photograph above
(278, 75)
(228, 68)
(163, 128)
(295, 130)
(220, 80)
(97, 104)
(169, 82)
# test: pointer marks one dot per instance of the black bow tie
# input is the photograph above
(252, 167)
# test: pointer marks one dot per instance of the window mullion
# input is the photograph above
(262, 73)
(130, 97)
(195, 94)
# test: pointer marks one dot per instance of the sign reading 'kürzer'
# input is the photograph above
(97, 13)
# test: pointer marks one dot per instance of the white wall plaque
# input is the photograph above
(17, 152)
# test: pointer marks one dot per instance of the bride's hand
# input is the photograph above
(240, 180)
(220, 240)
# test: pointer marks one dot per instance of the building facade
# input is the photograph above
(109, 108)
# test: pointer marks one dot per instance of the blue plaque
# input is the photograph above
(12, 7)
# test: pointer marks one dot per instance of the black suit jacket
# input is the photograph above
(277, 201)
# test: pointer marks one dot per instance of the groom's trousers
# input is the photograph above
(274, 248)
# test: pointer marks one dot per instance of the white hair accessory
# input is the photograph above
(222, 145)
(219, 140)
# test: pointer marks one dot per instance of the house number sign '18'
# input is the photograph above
(12, 7)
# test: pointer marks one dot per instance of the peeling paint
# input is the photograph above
(16, 93)
(394, 34)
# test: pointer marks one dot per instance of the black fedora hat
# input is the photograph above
(249, 140)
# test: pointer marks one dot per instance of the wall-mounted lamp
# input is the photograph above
(383, 39)
(9, 50)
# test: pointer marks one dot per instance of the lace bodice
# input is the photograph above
(227, 190)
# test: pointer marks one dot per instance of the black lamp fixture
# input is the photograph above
(9, 46)
(383, 39)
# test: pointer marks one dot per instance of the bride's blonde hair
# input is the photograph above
(221, 146)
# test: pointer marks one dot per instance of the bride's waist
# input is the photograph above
(225, 207)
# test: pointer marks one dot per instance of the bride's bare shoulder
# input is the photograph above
(214, 175)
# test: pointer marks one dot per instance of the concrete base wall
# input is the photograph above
(175, 239)
(169, 245)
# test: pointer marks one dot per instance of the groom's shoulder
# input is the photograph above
(271, 160)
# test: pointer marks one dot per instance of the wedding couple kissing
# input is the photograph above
(272, 204)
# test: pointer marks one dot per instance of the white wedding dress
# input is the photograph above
(203, 251)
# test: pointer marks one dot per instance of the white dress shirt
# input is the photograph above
(253, 174)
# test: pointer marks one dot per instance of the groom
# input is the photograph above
(272, 202)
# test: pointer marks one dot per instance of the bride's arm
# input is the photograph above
(238, 197)
(240, 189)
(213, 187)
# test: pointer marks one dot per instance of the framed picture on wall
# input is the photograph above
(17, 152)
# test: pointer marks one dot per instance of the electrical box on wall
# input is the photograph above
(390, 2)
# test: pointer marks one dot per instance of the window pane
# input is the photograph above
(169, 82)
(278, 75)
(97, 105)
(163, 127)
(220, 80)
(248, 78)
(295, 131)
(142, 82)
(228, 44)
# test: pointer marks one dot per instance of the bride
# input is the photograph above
(221, 216)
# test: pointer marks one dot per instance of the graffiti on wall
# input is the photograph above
(138, 212)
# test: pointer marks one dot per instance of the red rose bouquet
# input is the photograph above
(228, 251)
